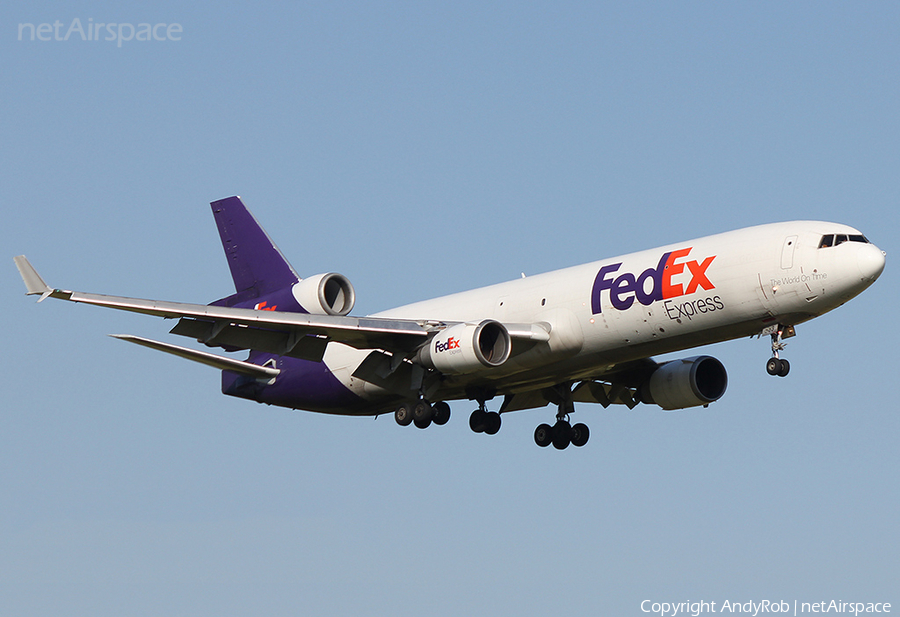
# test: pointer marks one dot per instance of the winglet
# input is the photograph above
(33, 281)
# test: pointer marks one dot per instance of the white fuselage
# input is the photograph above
(580, 334)
(626, 308)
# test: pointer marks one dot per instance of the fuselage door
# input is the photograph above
(787, 252)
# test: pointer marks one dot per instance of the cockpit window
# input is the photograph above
(829, 240)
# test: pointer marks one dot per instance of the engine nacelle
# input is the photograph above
(686, 383)
(325, 294)
(467, 348)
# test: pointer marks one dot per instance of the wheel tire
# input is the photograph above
(441, 413)
(543, 435)
(422, 413)
(476, 421)
(561, 435)
(773, 365)
(784, 369)
(580, 434)
(404, 414)
(492, 423)
(425, 423)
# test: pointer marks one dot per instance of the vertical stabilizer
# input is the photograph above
(257, 266)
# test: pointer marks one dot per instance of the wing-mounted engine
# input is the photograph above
(467, 348)
(325, 294)
(688, 382)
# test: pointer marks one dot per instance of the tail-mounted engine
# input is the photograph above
(467, 348)
(686, 383)
(325, 294)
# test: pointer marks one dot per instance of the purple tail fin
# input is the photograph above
(257, 266)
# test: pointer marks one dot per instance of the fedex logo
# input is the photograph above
(452, 343)
(653, 284)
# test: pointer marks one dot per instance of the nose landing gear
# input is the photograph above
(776, 365)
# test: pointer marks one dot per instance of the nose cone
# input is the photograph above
(870, 259)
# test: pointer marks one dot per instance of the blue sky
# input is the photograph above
(423, 149)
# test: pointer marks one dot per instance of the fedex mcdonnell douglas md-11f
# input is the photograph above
(581, 334)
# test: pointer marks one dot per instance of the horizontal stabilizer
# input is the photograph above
(209, 359)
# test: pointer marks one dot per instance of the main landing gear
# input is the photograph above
(775, 365)
(484, 421)
(561, 434)
(422, 413)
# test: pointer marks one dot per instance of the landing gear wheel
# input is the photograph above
(784, 369)
(580, 434)
(441, 413)
(404, 414)
(422, 413)
(477, 420)
(778, 366)
(543, 435)
(491, 422)
(562, 432)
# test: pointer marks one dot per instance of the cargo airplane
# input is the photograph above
(583, 334)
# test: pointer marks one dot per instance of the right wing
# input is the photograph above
(299, 335)
(288, 334)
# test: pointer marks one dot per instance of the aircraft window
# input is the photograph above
(833, 240)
